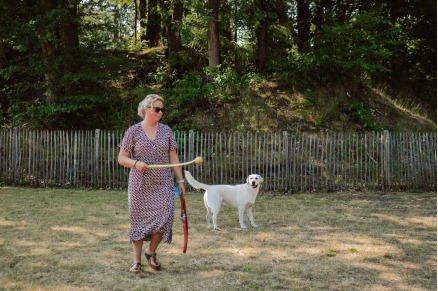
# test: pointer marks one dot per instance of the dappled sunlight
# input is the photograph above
(349, 246)
(406, 265)
(405, 239)
(70, 244)
(26, 243)
(22, 224)
(314, 249)
(75, 229)
(421, 222)
(391, 276)
(289, 228)
(426, 221)
(39, 252)
(266, 236)
(211, 274)
(7, 223)
(324, 228)
(83, 231)
(407, 287)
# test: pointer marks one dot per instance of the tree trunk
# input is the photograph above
(142, 8)
(262, 31)
(135, 21)
(116, 23)
(48, 52)
(213, 33)
(153, 24)
(70, 36)
(303, 9)
(2, 54)
(173, 37)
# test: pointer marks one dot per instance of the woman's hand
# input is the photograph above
(181, 188)
(141, 166)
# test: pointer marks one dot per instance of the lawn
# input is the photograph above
(58, 239)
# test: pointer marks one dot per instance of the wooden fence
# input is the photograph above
(289, 162)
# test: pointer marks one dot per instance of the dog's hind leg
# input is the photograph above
(209, 212)
(208, 217)
(215, 214)
(251, 218)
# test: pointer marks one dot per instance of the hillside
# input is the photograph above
(270, 104)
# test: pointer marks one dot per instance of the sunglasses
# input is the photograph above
(158, 109)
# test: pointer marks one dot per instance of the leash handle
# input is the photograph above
(184, 221)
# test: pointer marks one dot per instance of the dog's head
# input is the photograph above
(254, 180)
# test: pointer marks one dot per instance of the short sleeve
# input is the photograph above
(172, 142)
(127, 143)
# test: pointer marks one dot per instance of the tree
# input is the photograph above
(262, 30)
(143, 21)
(303, 10)
(213, 33)
(153, 24)
(48, 47)
(173, 37)
(70, 35)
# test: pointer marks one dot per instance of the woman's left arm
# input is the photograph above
(173, 158)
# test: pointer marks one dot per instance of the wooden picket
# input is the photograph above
(288, 162)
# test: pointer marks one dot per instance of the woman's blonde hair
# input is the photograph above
(147, 103)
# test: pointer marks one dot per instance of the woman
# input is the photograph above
(150, 191)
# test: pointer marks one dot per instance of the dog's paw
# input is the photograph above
(254, 225)
(243, 227)
(210, 226)
(217, 228)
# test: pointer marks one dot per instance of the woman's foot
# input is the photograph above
(152, 260)
(135, 268)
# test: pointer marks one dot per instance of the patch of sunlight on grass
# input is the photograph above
(404, 239)
(75, 229)
(421, 222)
(426, 221)
(211, 274)
(343, 242)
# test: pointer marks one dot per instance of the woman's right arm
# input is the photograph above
(126, 161)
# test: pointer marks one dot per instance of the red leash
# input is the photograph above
(184, 221)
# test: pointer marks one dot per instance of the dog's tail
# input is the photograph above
(195, 184)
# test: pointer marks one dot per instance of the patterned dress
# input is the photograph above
(150, 193)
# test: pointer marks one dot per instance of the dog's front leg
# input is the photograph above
(241, 211)
(251, 218)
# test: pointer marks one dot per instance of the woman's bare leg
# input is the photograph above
(155, 241)
(137, 247)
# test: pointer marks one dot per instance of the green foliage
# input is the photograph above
(359, 113)
(364, 113)
(41, 75)
(72, 111)
(343, 52)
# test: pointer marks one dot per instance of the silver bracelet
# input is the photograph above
(180, 181)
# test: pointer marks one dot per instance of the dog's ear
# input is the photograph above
(247, 180)
(261, 179)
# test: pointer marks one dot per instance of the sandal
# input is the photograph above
(150, 258)
(135, 268)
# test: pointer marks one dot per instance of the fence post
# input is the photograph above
(286, 152)
(386, 153)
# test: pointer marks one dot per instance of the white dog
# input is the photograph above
(241, 196)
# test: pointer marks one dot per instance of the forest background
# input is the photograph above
(237, 65)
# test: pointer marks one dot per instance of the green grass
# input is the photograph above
(53, 239)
